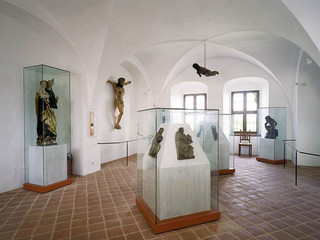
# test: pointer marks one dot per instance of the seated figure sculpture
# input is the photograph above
(270, 125)
(183, 147)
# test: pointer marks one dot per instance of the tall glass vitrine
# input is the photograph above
(47, 138)
(226, 144)
(175, 192)
(272, 130)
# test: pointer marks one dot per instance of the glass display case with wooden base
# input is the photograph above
(47, 137)
(177, 170)
(272, 126)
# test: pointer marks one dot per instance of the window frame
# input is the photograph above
(195, 100)
(245, 111)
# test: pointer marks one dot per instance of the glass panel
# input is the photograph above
(200, 102)
(164, 181)
(147, 165)
(47, 124)
(189, 102)
(226, 156)
(189, 118)
(272, 127)
(252, 101)
(252, 122)
(237, 101)
(211, 149)
(238, 122)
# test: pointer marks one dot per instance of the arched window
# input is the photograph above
(242, 97)
(244, 106)
(195, 101)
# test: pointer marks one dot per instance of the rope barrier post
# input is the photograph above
(127, 154)
(296, 169)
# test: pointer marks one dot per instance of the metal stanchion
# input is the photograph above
(296, 169)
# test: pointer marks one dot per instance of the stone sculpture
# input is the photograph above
(155, 146)
(270, 125)
(183, 147)
(214, 132)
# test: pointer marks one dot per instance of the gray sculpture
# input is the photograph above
(270, 125)
(204, 71)
(214, 132)
(183, 147)
(200, 131)
(155, 146)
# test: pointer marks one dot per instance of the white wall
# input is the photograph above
(245, 84)
(28, 40)
(11, 127)
(308, 117)
(21, 47)
(241, 76)
(107, 116)
(180, 89)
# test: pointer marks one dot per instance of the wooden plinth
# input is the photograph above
(48, 188)
(270, 161)
(160, 226)
(222, 172)
(226, 171)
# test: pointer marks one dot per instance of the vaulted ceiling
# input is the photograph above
(163, 37)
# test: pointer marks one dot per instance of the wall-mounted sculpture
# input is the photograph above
(45, 102)
(204, 71)
(270, 125)
(155, 146)
(119, 91)
(183, 147)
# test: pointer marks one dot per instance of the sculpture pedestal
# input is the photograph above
(176, 193)
(47, 167)
(182, 186)
(211, 146)
(270, 151)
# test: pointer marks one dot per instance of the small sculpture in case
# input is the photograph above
(183, 147)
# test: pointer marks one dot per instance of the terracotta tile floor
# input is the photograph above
(259, 201)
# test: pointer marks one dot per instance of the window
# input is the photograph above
(244, 107)
(195, 101)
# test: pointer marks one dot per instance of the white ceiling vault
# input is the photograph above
(163, 37)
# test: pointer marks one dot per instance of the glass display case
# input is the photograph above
(178, 167)
(47, 137)
(226, 144)
(272, 128)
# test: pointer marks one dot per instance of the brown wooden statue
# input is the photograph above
(119, 91)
